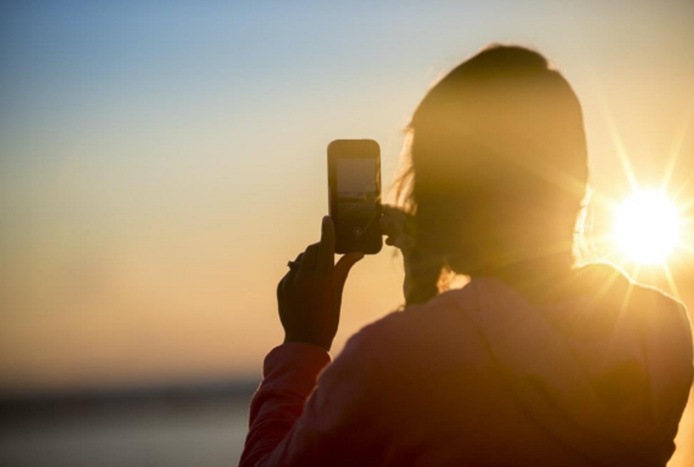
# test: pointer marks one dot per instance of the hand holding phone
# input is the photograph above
(309, 296)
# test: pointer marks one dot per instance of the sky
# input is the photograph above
(161, 161)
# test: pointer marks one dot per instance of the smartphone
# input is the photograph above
(354, 193)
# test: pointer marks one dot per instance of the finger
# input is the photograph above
(342, 268)
(308, 261)
(326, 249)
(385, 223)
(393, 220)
(288, 278)
(387, 209)
(294, 265)
(280, 287)
(282, 284)
(394, 213)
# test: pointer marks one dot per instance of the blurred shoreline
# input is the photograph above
(201, 424)
(16, 405)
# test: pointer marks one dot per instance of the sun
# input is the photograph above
(647, 227)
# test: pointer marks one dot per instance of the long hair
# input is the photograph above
(497, 169)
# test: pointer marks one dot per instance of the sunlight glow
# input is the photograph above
(647, 228)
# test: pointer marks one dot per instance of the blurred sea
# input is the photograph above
(202, 426)
(192, 426)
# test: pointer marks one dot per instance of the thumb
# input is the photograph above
(343, 267)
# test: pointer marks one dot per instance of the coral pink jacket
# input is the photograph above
(479, 376)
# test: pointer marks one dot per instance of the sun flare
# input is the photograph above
(647, 227)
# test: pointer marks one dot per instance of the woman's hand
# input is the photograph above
(310, 294)
(396, 225)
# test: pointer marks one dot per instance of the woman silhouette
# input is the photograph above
(536, 361)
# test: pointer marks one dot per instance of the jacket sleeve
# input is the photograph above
(296, 421)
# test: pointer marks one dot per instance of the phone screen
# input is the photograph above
(357, 194)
